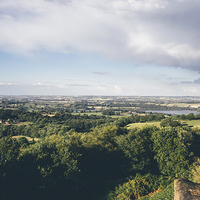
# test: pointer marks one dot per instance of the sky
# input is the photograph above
(100, 47)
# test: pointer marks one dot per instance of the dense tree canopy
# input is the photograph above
(89, 157)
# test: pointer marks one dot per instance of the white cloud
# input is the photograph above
(161, 32)
(100, 89)
(117, 90)
(190, 90)
(62, 86)
(38, 84)
(3, 84)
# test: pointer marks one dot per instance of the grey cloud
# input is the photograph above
(190, 82)
(159, 32)
(187, 82)
(197, 81)
(100, 73)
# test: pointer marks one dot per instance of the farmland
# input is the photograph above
(97, 103)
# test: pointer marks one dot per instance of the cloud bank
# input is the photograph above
(156, 32)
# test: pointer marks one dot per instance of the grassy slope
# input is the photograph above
(191, 123)
(133, 125)
(194, 123)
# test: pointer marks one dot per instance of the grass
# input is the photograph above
(133, 125)
(191, 123)
(28, 138)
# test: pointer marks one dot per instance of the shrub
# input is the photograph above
(195, 172)
(134, 188)
(171, 153)
(168, 193)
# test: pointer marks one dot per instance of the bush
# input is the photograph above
(137, 147)
(195, 172)
(172, 154)
(134, 188)
(168, 194)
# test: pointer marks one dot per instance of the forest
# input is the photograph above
(86, 157)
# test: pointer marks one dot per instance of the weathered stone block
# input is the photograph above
(186, 190)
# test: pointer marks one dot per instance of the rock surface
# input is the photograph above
(186, 190)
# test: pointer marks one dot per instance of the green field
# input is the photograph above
(190, 123)
(134, 125)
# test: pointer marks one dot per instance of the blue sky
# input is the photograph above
(99, 47)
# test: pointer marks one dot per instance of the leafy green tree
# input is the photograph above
(108, 112)
(135, 187)
(170, 151)
(169, 122)
(183, 116)
(197, 116)
(47, 169)
(9, 150)
(103, 137)
(174, 123)
(10, 176)
(165, 122)
(137, 146)
(54, 156)
(190, 116)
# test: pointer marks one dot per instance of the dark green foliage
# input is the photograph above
(195, 147)
(190, 116)
(123, 121)
(170, 151)
(167, 193)
(80, 123)
(46, 169)
(9, 150)
(135, 187)
(108, 112)
(169, 122)
(137, 146)
(98, 167)
(87, 157)
(10, 169)
(174, 124)
(183, 116)
(197, 116)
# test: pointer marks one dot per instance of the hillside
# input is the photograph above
(83, 157)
